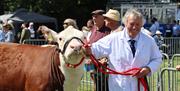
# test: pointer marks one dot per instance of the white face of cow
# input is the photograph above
(73, 50)
(70, 44)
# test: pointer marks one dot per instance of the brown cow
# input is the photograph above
(29, 68)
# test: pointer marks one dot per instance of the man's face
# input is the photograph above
(90, 24)
(133, 25)
(97, 18)
(108, 23)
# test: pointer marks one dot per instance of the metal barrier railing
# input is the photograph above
(170, 83)
(87, 83)
(35, 41)
(171, 80)
(153, 81)
(173, 45)
(175, 60)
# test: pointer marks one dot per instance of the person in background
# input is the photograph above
(159, 39)
(2, 35)
(168, 31)
(176, 29)
(99, 30)
(25, 33)
(31, 29)
(1, 24)
(2, 38)
(156, 22)
(154, 27)
(112, 20)
(89, 25)
(48, 34)
(12, 28)
(70, 22)
(126, 50)
(8, 34)
(85, 30)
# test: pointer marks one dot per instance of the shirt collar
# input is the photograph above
(129, 38)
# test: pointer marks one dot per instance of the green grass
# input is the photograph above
(86, 83)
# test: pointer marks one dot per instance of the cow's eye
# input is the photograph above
(60, 39)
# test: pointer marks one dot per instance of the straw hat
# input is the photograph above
(158, 32)
(113, 14)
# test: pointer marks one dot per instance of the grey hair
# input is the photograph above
(134, 12)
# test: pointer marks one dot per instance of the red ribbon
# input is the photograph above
(74, 65)
(129, 72)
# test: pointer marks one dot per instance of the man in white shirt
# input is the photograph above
(116, 47)
(154, 27)
(31, 29)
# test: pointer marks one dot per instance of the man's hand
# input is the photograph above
(87, 49)
(143, 72)
(178, 67)
(103, 61)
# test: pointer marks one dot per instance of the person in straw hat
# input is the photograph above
(112, 20)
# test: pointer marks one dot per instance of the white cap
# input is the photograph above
(158, 32)
(31, 23)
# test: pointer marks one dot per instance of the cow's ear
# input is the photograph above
(56, 38)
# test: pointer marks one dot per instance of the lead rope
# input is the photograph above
(129, 72)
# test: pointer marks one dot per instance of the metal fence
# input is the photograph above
(173, 45)
(153, 81)
(165, 79)
(169, 79)
(35, 41)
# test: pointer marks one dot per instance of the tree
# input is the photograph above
(60, 9)
(1, 7)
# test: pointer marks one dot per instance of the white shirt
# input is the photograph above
(120, 28)
(115, 46)
(153, 29)
(146, 31)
